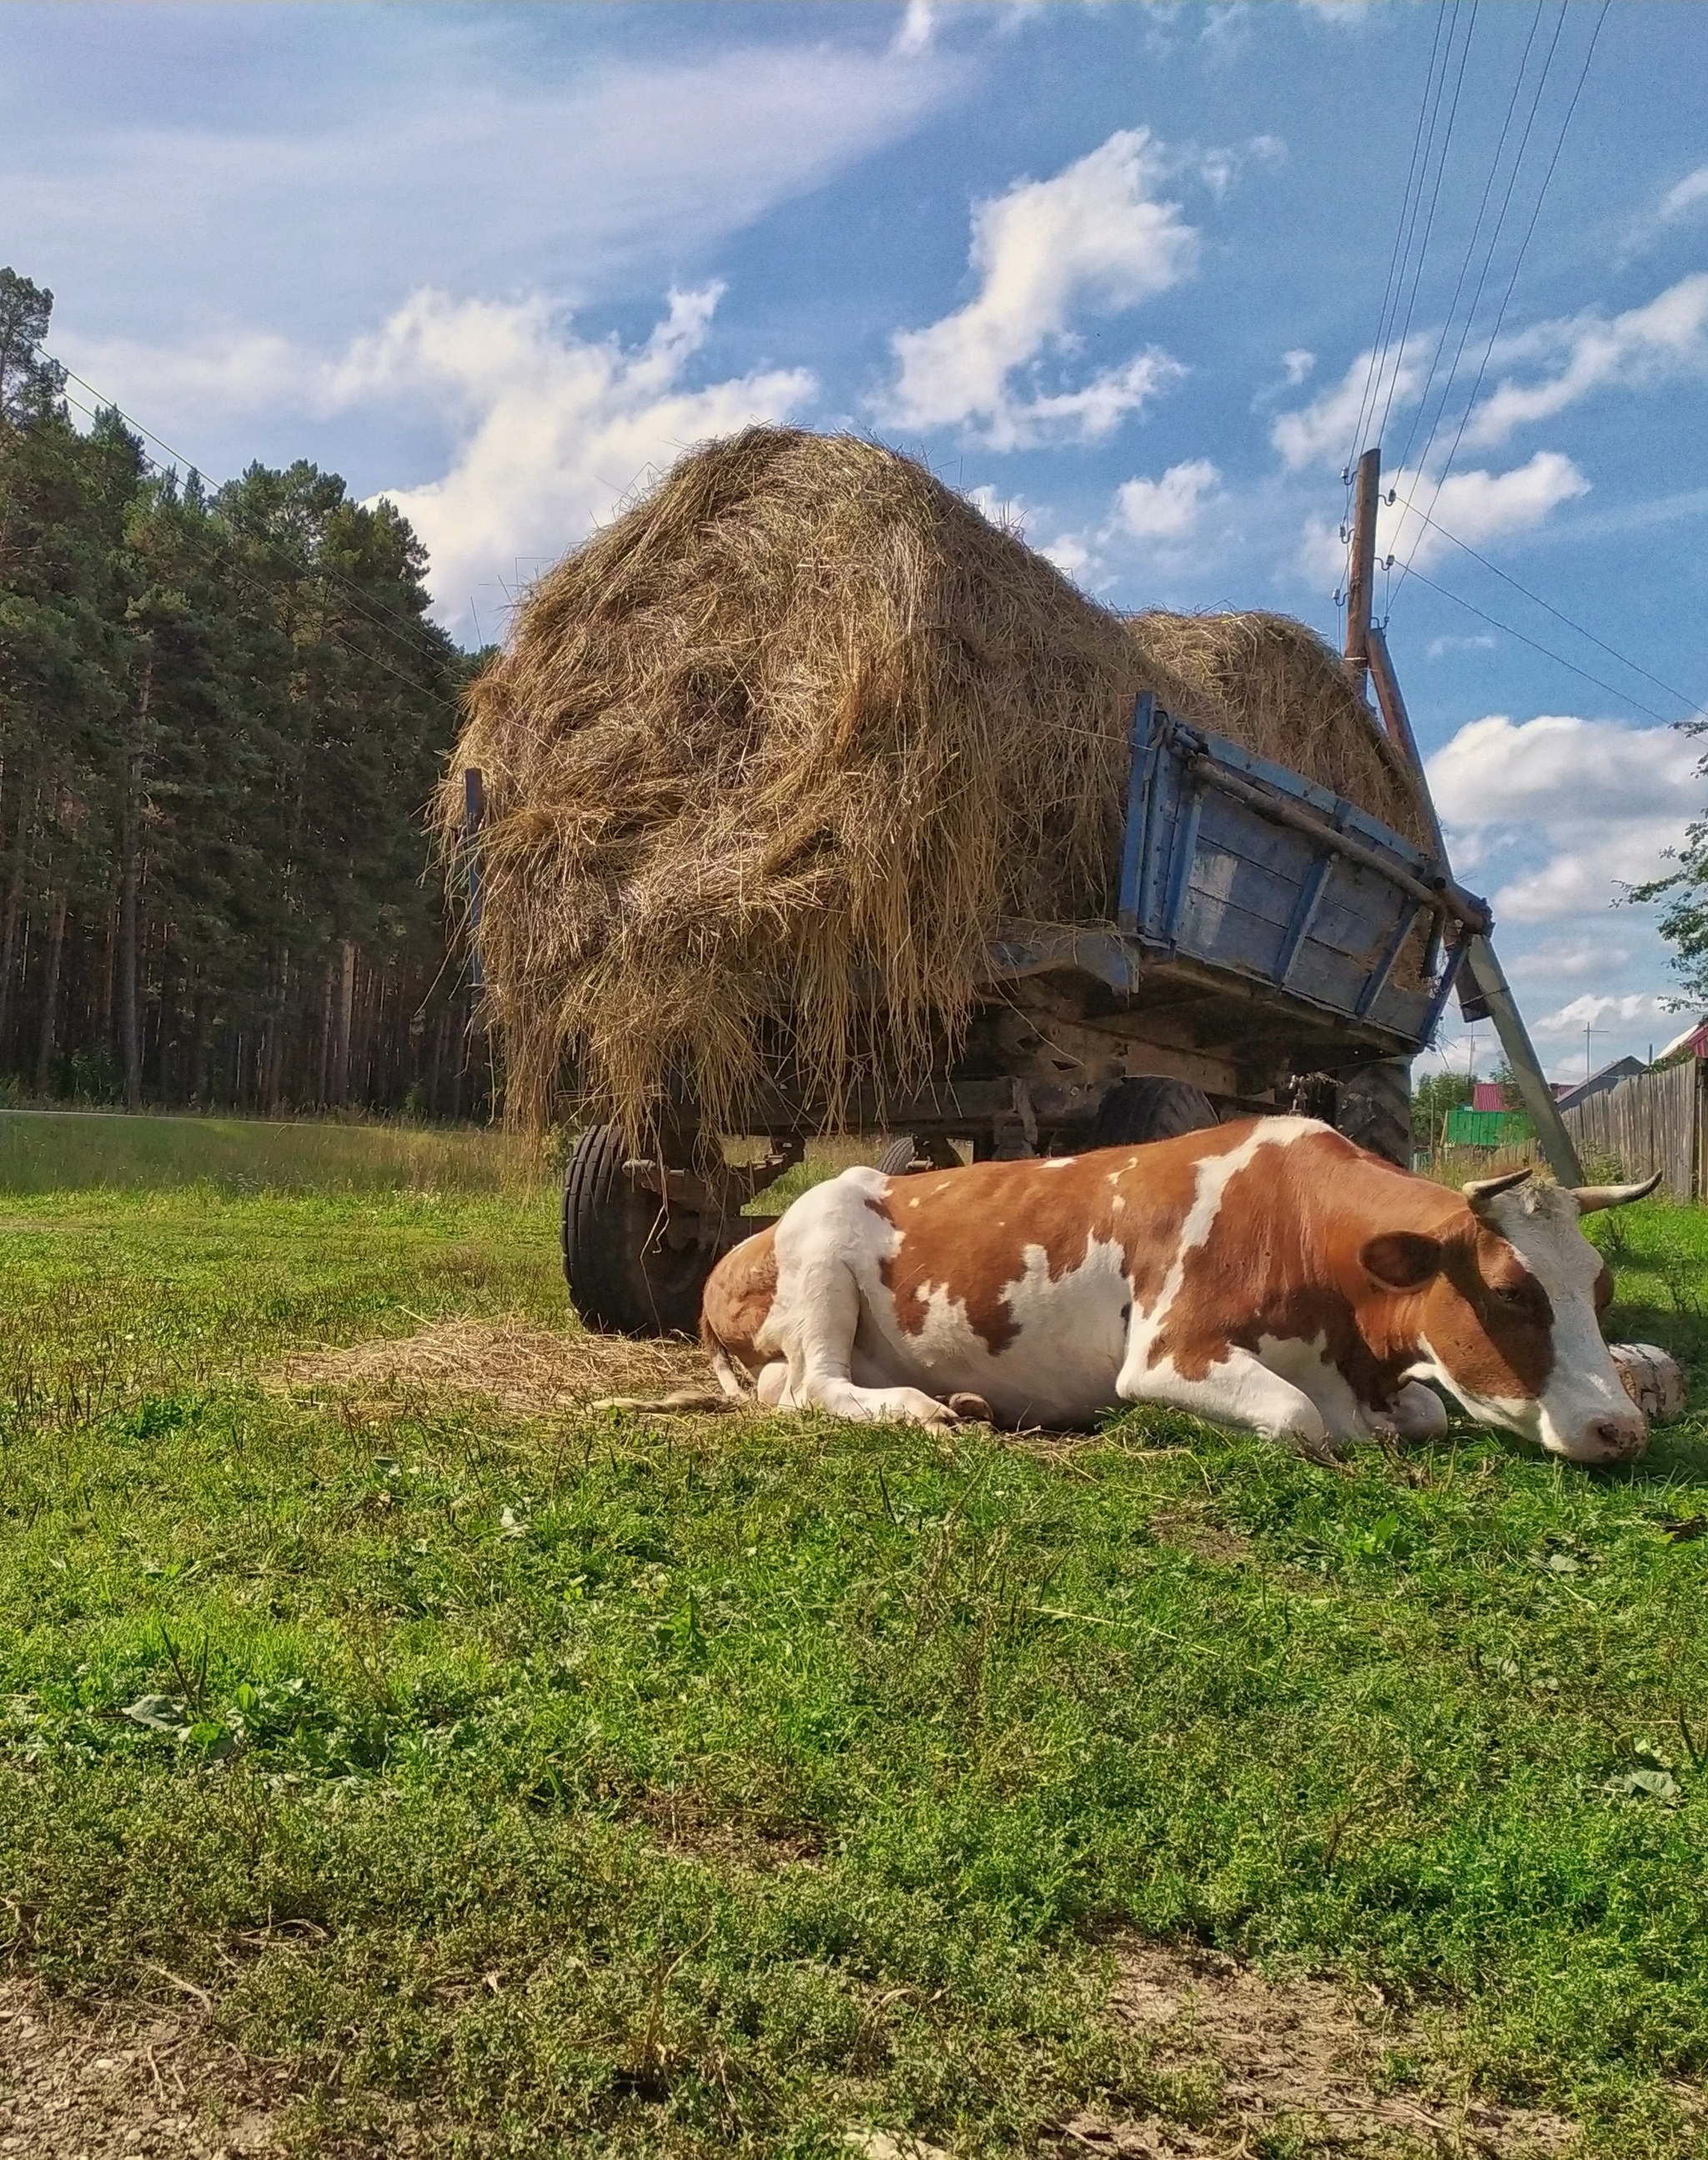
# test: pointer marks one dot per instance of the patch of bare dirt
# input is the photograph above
(1293, 2057)
(1196, 1534)
(687, 1822)
(530, 1372)
(129, 2082)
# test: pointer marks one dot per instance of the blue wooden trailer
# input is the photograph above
(1272, 947)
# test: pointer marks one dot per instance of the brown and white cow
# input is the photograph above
(1266, 1273)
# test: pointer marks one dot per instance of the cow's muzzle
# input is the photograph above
(1618, 1437)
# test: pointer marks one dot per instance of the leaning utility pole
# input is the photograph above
(1483, 991)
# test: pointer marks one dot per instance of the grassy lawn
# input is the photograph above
(602, 1784)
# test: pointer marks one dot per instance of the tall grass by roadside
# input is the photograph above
(73, 1151)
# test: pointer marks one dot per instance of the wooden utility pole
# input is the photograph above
(1361, 573)
(1484, 993)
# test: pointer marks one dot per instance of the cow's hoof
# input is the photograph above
(974, 1408)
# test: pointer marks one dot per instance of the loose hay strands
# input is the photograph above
(528, 1371)
(768, 760)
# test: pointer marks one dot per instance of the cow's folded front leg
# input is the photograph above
(1238, 1388)
(842, 1398)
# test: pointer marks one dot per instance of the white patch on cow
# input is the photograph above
(1215, 1173)
(1240, 1388)
(1583, 1393)
(1057, 1162)
(1309, 1367)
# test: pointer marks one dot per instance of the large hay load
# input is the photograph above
(771, 759)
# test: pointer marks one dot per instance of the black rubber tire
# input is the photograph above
(900, 1156)
(620, 1282)
(1134, 1111)
(1375, 1108)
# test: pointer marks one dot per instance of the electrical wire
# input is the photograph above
(399, 626)
(1471, 247)
(257, 586)
(1488, 259)
(1517, 264)
(1613, 652)
(1547, 652)
(1389, 290)
(1429, 221)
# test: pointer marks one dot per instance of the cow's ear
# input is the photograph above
(1401, 1259)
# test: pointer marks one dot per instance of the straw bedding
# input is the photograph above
(768, 758)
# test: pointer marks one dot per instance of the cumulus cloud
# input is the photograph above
(1591, 1012)
(1095, 238)
(550, 430)
(1477, 507)
(1166, 509)
(1587, 806)
(1591, 351)
(915, 30)
(1322, 431)
(1690, 194)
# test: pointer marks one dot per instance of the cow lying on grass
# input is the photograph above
(1265, 1274)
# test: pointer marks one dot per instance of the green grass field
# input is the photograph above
(616, 1784)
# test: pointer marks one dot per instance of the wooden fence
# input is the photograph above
(1651, 1121)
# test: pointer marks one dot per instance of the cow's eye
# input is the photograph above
(1508, 1293)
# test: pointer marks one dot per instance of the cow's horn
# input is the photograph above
(1482, 1190)
(1590, 1198)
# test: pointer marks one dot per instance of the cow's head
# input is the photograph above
(1506, 1311)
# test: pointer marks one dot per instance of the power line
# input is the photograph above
(1613, 653)
(1379, 344)
(1470, 249)
(400, 627)
(1547, 652)
(1435, 198)
(1517, 264)
(255, 585)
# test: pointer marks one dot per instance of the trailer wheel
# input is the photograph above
(1375, 1108)
(1133, 1111)
(625, 1276)
(898, 1157)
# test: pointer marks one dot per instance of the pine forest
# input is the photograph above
(222, 711)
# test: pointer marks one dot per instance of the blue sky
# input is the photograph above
(1117, 270)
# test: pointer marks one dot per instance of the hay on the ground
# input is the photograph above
(767, 760)
(527, 1371)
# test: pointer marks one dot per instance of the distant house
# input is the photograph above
(1693, 1043)
(1488, 1095)
(1598, 1084)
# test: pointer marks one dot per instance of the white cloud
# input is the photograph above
(1093, 237)
(915, 30)
(1298, 364)
(1323, 431)
(1567, 960)
(1166, 509)
(1477, 507)
(235, 372)
(551, 430)
(1587, 352)
(1690, 194)
(457, 150)
(1438, 647)
(1590, 806)
(1590, 1010)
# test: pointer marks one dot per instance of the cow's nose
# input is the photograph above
(1619, 1439)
